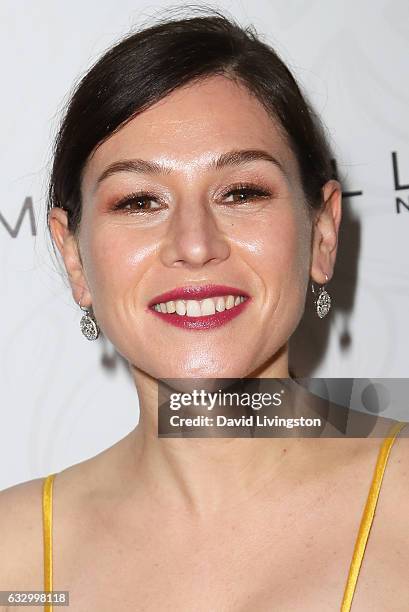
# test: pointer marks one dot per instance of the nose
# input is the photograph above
(194, 238)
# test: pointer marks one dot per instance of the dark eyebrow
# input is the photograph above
(231, 158)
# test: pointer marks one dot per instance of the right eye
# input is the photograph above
(139, 199)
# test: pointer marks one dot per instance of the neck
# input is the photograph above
(205, 475)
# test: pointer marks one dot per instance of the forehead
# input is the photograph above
(189, 126)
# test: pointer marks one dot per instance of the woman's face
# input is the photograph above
(190, 230)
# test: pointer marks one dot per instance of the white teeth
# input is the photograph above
(200, 308)
(230, 302)
(180, 307)
(208, 307)
(220, 304)
(193, 308)
(171, 306)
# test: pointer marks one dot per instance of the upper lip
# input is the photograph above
(196, 292)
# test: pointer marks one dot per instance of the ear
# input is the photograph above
(325, 232)
(68, 247)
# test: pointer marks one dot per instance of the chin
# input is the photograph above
(228, 371)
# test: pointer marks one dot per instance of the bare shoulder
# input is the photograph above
(396, 474)
(393, 500)
(21, 521)
(397, 470)
(21, 536)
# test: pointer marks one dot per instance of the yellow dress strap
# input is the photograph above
(368, 515)
(48, 536)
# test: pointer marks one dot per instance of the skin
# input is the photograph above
(207, 524)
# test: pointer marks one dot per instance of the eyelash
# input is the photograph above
(238, 188)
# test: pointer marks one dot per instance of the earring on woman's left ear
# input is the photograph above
(322, 301)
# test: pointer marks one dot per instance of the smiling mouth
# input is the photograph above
(200, 308)
(205, 314)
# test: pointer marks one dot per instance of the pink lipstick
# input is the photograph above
(208, 321)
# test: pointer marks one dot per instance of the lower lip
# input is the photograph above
(206, 322)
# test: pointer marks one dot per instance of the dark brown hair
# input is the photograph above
(150, 63)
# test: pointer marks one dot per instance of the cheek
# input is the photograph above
(283, 247)
(115, 263)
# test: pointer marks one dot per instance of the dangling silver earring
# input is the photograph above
(322, 301)
(88, 324)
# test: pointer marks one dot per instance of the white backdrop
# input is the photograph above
(64, 399)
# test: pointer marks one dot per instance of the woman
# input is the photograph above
(189, 168)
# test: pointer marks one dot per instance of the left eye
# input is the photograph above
(248, 192)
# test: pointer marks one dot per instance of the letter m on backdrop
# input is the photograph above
(27, 208)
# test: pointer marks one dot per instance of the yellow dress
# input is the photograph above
(360, 544)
